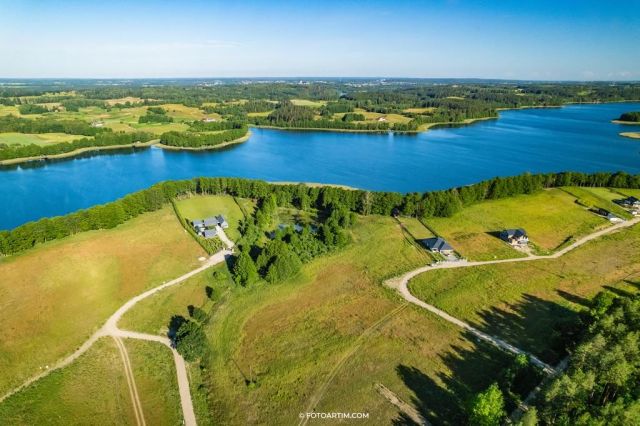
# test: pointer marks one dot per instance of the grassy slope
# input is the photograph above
(550, 218)
(521, 301)
(93, 390)
(289, 336)
(55, 295)
(201, 207)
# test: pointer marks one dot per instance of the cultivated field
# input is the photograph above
(550, 217)
(56, 295)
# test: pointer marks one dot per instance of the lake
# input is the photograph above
(575, 137)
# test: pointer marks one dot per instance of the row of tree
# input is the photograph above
(429, 204)
(11, 123)
(202, 140)
(104, 139)
(633, 116)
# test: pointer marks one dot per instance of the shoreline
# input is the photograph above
(422, 129)
(630, 135)
(14, 161)
(205, 148)
(627, 123)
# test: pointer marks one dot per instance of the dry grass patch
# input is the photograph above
(93, 390)
(56, 295)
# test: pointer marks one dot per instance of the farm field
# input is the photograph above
(92, 390)
(55, 295)
(201, 207)
(524, 302)
(12, 138)
(550, 217)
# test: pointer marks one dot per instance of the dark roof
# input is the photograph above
(436, 243)
(220, 219)
(210, 221)
(628, 200)
(514, 233)
(209, 233)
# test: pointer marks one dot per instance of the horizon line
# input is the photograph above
(310, 77)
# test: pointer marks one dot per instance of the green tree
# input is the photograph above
(487, 408)
(190, 341)
(244, 270)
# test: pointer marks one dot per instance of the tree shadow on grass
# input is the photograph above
(442, 400)
(574, 298)
(538, 326)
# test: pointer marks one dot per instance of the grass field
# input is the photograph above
(201, 207)
(92, 390)
(421, 110)
(521, 302)
(38, 139)
(153, 314)
(287, 338)
(155, 374)
(56, 295)
(550, 217)
(308, 103)
(599, 197)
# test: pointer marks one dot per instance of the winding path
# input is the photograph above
(110, 328)
(401, 285)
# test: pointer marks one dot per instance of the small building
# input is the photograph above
(209, 233)
(517, 236)
(97, 124)
(609, 216)
(221, 221)
(438, 245)
(382, 119)
(210, 222)
(628, 203)
(208, 120)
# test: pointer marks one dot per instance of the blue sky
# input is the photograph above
(524, 39)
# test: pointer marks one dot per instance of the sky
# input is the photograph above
(505, 39)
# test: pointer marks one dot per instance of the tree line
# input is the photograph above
(430, 204)
(11, 123)
(102, 139)
(201, 140)
(633, 116)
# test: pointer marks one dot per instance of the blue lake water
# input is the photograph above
(576, 137)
